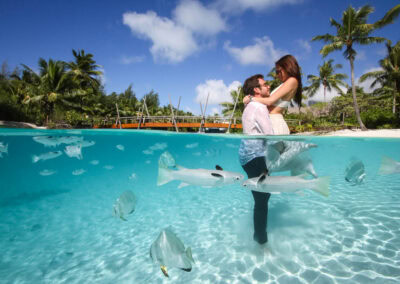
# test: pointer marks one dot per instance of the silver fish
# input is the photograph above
(85, 143)
(78, 172)
(278, 184)
(199, 177)
(46, 156)
(389, 166)
(47, 172)
(74, 151)
(52, 141)
(3, 149)
(124, 205)
(282, 155)
(169, 251)
(355, 172)
(120, 147)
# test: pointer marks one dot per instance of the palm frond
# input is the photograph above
(389, 17)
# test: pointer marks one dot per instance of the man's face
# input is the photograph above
(263, 89)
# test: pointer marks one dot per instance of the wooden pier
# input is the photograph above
(198, 122)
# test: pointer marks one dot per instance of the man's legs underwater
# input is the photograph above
(255, 168)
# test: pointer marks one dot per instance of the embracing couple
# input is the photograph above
(263, 116)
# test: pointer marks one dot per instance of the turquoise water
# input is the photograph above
(59, 227)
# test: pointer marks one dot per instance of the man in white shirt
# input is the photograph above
(252, 152)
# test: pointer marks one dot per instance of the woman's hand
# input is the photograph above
(246, 99)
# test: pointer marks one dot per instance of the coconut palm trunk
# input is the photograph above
(394, 104)
(353, 89)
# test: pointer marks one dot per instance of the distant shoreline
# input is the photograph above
(16, 124)
(384, 133)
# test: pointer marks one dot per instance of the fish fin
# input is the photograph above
(303, 175)
(164, 176)
(388, 166)
(187, 269)
(183, 184)
(189, 254)
(122, 218)
(217, 175)
(164, 270)
(217, 167)
(35, 159)
(321, 185)
(261, 178)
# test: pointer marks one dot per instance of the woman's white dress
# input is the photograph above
(279, 124)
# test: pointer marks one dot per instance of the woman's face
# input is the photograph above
(281, 73)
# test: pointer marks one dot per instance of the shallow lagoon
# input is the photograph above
(59, 228)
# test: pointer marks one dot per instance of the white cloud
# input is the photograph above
(176, 39)
(215, 110)
(262, 52)
(171, 42)
(366, 85)
(199, 19)
(103, 78)
(218, 91)
(126, 60)
(236, 6)
(361, 55)
(305, 44)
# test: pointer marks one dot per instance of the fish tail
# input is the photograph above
(164, 176)
(321, 185)
(35, 159)
(388, 166)
(166, 160)
(189, 254)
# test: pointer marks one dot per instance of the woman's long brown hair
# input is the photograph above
(292, 68)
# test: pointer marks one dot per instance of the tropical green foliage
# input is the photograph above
(389, 75)
(72, 93)
(229, 107)
(354, 29)
(327, 78)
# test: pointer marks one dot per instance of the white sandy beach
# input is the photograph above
(387, 133)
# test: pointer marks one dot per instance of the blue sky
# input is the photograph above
(183, 48)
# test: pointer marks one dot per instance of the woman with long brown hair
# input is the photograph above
(288, 71)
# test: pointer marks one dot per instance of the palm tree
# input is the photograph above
(228, 106)
(327, 78)
(389, 76)
(84, 69)
(354, 29)
(51, 86)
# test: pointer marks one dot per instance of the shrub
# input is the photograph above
(74, 118)
(375, 118)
